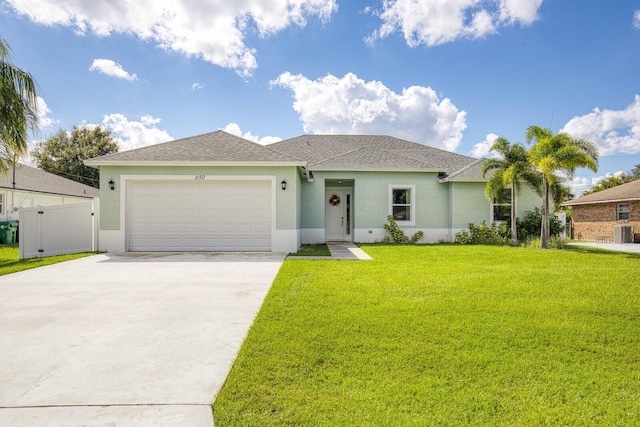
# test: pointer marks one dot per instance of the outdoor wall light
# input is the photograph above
(284, 184)
(112, 185)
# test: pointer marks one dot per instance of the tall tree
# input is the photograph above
(64, 153)
(634, 173)
(18, 109)
(509, 170)
(552, 154)
(610, 182)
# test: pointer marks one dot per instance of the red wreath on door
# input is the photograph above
(334, 200)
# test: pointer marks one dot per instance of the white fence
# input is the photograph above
(59, 229)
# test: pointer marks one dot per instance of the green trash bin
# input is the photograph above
(14, 225)
(8, 232)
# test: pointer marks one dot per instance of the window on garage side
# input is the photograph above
(501, 207)
(402, 203)
(623, 211)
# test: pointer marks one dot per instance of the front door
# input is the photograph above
(338, 214)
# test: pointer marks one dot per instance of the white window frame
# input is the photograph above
(1, 203)
(623, 212)
(493, 205)
(412, 203)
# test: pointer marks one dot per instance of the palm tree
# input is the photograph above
(18, 109)
(510, 169)
(551, 154)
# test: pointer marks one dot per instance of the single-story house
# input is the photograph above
(220, 192)
(26, 186)
(596, 216)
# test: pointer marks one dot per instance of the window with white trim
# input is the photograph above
(623, 212)
(501, 208)
(402, 205)
(1, 204)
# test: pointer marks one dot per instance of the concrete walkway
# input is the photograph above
(345, 250)
(339, 251)
(125, 340)
(618, 247)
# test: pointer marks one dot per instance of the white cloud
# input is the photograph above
(44, 114)
(134, 134)
(111, 68)
(579, 185)
(613, 131)
(636, 19)
(349, 105)
(481, 149)
(213, 30)
(598, 179)
(434, 22)
(197, 86)
(234, 129)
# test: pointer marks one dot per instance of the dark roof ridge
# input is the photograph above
(337, 156)
(467, 167)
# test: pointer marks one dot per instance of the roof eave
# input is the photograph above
(454, 179)
(595, 202)
(29, 190)
(97, 164)
(374, 170)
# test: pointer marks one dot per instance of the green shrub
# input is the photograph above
(483, 234)
(396, 235)
(531, 223)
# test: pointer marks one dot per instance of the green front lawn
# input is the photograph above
(312, 250)
(444, 335)
(10, 262)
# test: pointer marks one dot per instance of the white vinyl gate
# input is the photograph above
(59, 229)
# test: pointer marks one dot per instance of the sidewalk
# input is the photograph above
(341, 251)
(619, 247)
(347, 251)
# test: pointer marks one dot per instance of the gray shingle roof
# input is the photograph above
(37, 180)
(316, 152)
(628, 191)
(371, 152)
(470, 172)
(214, 147)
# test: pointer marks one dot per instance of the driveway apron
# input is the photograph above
(126, 340)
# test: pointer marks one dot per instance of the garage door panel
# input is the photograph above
(196, 216)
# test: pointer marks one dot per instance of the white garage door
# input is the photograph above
(199, 215)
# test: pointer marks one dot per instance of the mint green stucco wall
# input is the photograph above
(469, 204)
(449, 205)
(287, 206)
(371, 198)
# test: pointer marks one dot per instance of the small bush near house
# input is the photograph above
(531, 223)
(528, 232)
(396, 235)
(482, 234)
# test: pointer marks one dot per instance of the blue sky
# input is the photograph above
(452, 74)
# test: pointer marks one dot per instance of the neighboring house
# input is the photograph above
(29, 187)
(218, 191)
(595, 216)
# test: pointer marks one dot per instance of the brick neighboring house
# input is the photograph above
(596, 215)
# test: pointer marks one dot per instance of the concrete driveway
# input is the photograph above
(125, 340)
